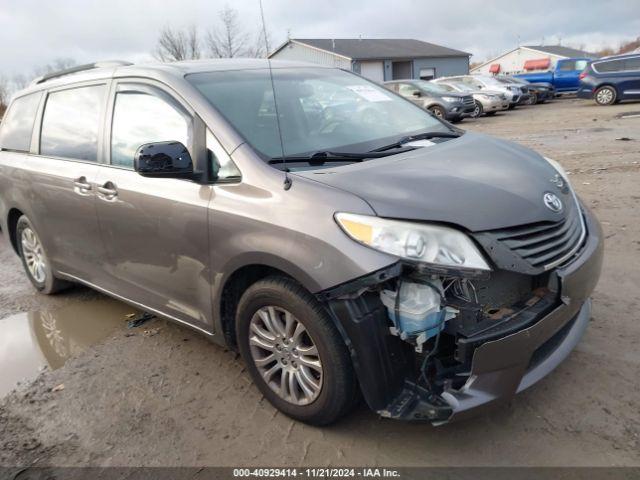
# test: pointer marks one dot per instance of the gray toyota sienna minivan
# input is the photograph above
(344, 240)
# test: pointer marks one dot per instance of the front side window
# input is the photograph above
(139, 118)
(632, 63)
(319, 109)
(222, 166)
(17, 125)
(71, 123)
(581, 64)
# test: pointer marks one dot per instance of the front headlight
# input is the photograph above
(433, 244)
(451, 99)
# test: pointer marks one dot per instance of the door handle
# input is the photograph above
(108, 191)
(81, 185)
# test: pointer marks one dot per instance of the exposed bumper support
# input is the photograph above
(492, 383)
(499, 368)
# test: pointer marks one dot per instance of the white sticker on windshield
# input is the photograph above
(370, 93)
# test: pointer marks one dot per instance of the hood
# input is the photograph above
(454, 94)
(475, 181)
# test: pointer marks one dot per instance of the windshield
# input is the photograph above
(492, 81)
(429, 87)
(319, 109)
(461, 87)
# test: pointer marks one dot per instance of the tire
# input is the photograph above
(512, 106)
(35, 260)
(605, 95)
(438, 111)
(490, 114)
(326, 370)
(533, 99)
(477, 112)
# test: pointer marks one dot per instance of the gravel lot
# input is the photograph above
(161, 395)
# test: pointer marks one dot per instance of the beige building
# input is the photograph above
(532, 57)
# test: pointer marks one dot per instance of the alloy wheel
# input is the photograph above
(438, 112)
(605, 96)
(285, 355)
(33, 255)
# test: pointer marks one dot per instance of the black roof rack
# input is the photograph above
(80, 68)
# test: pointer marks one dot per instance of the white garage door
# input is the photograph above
(372, 70)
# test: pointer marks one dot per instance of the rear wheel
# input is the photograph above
(438, 111)
(490, 114)
(477, 111)
(294, 352)
(35, 260)
(605, 95)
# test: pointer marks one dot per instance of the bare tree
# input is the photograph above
(230, 40)
(175, 45)
(61, 63)
(260, 47)
(4, 95)
(19, 81)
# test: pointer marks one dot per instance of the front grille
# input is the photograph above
(545, 245)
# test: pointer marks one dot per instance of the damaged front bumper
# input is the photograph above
(502, 363)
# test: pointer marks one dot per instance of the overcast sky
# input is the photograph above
(34, 33)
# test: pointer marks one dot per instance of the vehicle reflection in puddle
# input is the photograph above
(33, 340)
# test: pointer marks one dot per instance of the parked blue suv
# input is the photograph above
(611, 79)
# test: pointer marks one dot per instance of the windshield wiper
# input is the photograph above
(418, 136)
(322, 157)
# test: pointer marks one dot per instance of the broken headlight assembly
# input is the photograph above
(430, 244)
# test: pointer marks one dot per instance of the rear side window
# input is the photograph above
(632, 63)
(610, 66)
(567, 66)
(71, 123)
(17, 125)
(140, 118)
(581, 64)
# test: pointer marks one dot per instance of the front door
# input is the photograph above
(154, 230)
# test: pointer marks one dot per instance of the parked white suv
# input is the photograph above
(485, 82)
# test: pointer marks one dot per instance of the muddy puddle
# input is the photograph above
(31, 341)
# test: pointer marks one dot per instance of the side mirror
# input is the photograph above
(163, 160)
(417, 93)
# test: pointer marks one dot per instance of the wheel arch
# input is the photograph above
(12, 223)
(244, 273)
(606, 84)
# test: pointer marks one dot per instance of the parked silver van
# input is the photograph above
(337, 235)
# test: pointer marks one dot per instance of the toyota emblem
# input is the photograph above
(552, 202)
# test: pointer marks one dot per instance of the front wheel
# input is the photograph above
(294, 353)
(438, 111)
(35, 260)
(605, 95)
(533, 99)
(477, 111)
